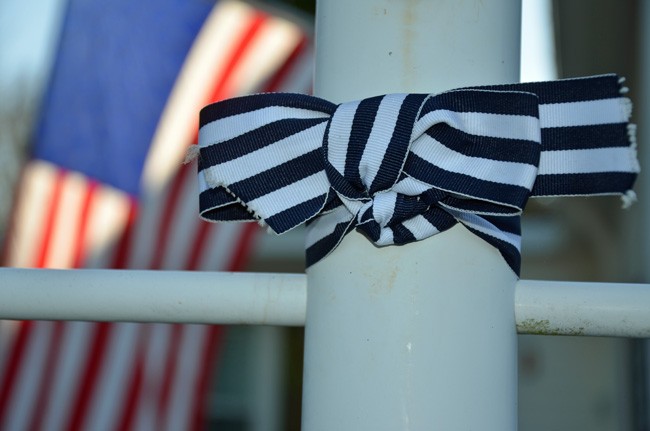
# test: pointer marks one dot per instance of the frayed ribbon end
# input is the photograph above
(191, 154)
(628, 199)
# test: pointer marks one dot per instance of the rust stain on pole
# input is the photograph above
(409, 35)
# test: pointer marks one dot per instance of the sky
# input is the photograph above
(28, 33)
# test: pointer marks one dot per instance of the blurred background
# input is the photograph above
(253, 377)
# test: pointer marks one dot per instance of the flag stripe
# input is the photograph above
(125, 239)
(201, 243)
(81, 238)
(166, 218)
(146, 404)
(254, 25)
(48, 376)
(66, 377)
(112, 376)
(171, 356)
(213, 257)
(281, 76)
(33, 191)
(67, 220)
(50, 212)
(13, 365)
(137, 382)
(176, 413)
(109, 214)
(180, 247)
(28, 376)
(207, 357)
(96, 351)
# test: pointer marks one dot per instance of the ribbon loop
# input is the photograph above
(402, 167)
(483, 140)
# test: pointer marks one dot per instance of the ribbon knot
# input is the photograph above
(361, 169)
(403, 167)
(357, 136)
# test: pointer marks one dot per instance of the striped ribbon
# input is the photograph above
(403, 167)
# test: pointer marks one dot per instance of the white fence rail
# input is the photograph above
(152, 296)
(541, 307)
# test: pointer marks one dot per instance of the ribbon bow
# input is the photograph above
(403, 167)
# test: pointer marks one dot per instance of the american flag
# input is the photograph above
(107, 189)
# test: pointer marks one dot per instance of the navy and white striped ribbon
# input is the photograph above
(403, 167)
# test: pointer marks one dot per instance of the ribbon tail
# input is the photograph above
(326, 232)
(588, 144)
(503, 233)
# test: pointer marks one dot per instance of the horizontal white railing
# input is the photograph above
(582, 308)
(541, 307)
(152, 296)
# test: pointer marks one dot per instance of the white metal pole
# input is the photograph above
(152, 296)
(420, 336)
(574, 308)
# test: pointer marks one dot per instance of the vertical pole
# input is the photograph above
(420, 336)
